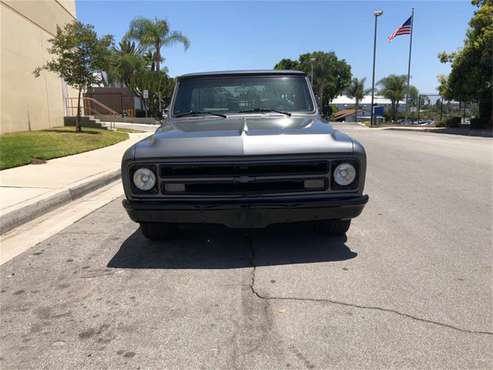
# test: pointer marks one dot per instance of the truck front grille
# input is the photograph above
(252, 169)
(222, 179)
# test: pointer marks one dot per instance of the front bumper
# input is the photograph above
(255, 213)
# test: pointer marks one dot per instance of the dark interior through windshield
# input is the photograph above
(243, 94)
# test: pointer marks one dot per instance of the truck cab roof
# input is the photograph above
(253, 72)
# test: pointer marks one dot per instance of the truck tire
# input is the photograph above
(157, 231)
(334, 227)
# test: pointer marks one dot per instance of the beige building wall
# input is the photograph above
(26, 102)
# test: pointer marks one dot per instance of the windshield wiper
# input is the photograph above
(263, 110)
(197, 113)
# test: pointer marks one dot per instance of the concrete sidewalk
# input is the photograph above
(29, 191)
(131, 125)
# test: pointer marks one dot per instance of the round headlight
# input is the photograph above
(344, 174)
(144, 179)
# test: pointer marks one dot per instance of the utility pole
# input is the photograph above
(376, 13)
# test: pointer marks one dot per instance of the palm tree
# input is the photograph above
(393, 87)
(152, 35)
(356, 91)
(126, 61)
(126, 46)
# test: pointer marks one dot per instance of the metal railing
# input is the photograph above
(93, 107)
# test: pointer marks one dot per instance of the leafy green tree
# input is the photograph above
(77, 57)
(159, 86)
(481, 2)
(443, 87)
(331, 75)
(356, 91)
(471, 77)
(152, 35)
(288, 64)
(134, 67)
(393, 87)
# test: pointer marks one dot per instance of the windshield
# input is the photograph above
(243, 94)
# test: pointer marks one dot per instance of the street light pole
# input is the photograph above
(376, 13)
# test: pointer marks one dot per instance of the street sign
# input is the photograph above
(145, 94)
(378, 111)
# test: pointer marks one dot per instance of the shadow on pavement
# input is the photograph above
(215, 247)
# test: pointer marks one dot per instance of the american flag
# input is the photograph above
(405, 29)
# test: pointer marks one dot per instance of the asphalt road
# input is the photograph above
(410, 286)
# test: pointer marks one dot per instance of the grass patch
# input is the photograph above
(19, 148)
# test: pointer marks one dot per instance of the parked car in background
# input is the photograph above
(245, 149)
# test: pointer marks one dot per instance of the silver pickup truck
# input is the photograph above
(244, 149)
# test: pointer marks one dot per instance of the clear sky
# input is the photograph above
(253, 35)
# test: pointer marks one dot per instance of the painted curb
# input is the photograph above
(31, 211)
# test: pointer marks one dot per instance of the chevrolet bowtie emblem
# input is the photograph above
(244, 179)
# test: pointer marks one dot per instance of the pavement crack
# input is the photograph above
(254, 267)
(374, 308)
(346, 304)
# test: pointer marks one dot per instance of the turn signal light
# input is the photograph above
(174, 188)
(315, 184)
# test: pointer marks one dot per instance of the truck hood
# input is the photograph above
(243, 136)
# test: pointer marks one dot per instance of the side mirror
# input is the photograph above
(165, 112)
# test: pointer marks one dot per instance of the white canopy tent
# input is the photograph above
(343, 100)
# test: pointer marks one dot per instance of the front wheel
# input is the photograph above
(157, 231)
(334, 227)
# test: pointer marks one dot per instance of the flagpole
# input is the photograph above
(409, 64)
(376, 13)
